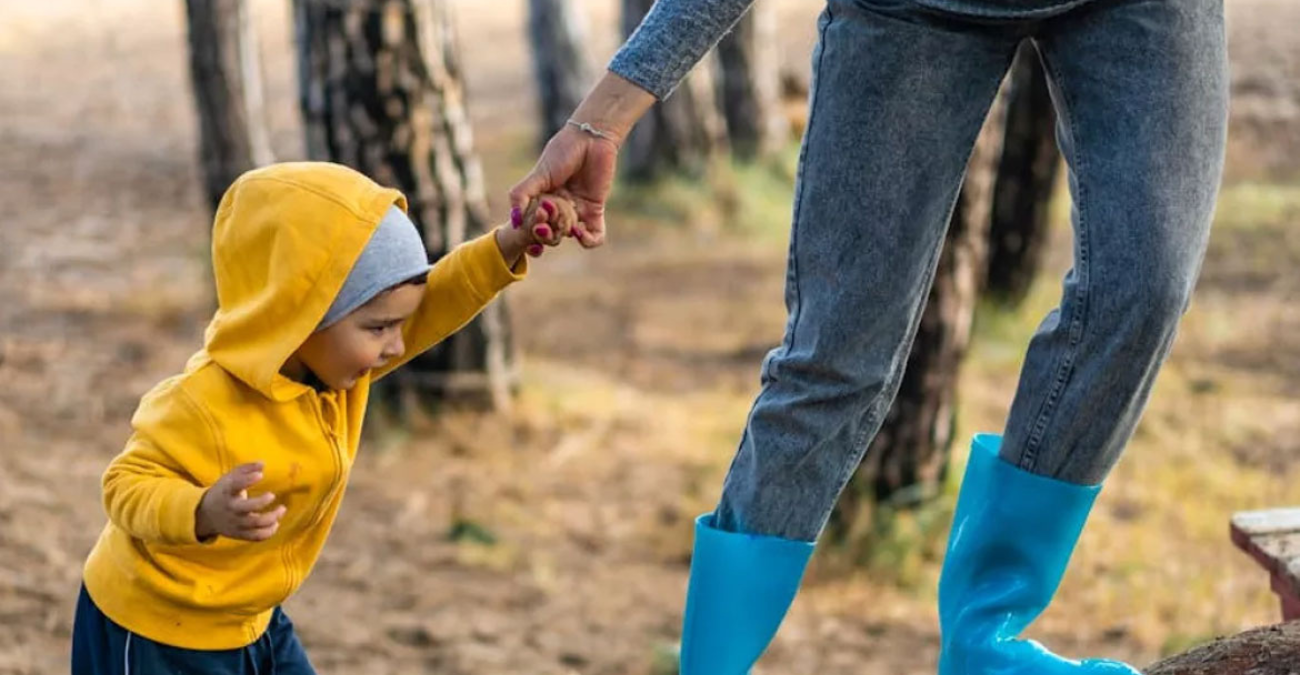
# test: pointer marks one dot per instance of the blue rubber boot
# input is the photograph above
(741, 586)
(1011, 540)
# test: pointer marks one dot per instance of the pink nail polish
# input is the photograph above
(544, 232)
(550, 208)
(535, 250)
(516, 217)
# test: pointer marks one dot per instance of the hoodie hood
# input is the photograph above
(284, 239)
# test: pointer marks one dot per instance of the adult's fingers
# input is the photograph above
(534, 184)
(590, 231)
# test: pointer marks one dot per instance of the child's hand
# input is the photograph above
(546, 222)
(555, 219)
(227, 510)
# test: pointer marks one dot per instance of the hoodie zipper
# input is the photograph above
(335, 454)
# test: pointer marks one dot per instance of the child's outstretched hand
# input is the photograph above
(227, 510)
(546, 221)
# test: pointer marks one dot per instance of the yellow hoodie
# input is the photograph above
(284, 239)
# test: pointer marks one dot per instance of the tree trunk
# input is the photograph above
(226, 77)
(750, 79)
(679, 135)
(557, 35)
(908, 460)
(1026, 176)
(1274, 650)
(382, 92)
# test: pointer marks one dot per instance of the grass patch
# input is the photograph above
(1254, 205)
(749, 200)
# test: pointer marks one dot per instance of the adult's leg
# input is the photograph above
(899, 95)
(1140, 89)
(1141, 92)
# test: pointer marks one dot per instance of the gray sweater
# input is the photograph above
(674, 36)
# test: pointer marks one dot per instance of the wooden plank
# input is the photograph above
(1269, 521)
(1293, 575)
(1272, 538)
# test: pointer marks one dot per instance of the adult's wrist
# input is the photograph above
(613, 107)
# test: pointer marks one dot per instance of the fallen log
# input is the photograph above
(1273, 650)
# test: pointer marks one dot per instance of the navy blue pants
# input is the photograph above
(101, 647)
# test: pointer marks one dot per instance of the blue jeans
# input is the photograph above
(101, 647)
(900, 90)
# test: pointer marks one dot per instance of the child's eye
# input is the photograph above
(377, 330)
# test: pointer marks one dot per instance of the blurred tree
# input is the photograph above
(226, 77)
(680, 134)
(562, 72)
(749, 84)
(1026, 176)
(908, 460)
(381, 90)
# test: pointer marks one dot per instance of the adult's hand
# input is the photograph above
(580, 166)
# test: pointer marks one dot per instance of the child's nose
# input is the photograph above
(394, 348)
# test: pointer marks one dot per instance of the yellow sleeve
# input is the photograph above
(459, 286)
(148, 492)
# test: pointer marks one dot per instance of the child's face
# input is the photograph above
(366, 339)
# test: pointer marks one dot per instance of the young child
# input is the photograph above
(225, 493)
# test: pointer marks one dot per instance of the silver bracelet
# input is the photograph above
(587, 128)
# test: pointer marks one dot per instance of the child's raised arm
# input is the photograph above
(471, 275)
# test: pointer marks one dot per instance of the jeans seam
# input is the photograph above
(793, 264)
(799, 199)
(1065, 362)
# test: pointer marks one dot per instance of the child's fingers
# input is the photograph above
(547, 234)
(257, 533)
(544, 227)
(554, 207)
(545, 211)
(243, 477)
(257, 521)
(540, 218)
(249, 505)
(562, 216)
(250, 467)
(529, 216)
(568, 215)
(560, 220)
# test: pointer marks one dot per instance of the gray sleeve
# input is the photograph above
(674, 36)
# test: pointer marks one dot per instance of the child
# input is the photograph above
(225, 493)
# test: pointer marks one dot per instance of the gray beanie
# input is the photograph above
(395, 253)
